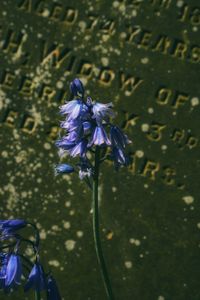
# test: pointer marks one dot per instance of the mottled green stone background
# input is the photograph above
(150, 228)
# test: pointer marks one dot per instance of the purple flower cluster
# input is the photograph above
(87, 125)
(13, 262)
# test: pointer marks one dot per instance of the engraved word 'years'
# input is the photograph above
(163, 44)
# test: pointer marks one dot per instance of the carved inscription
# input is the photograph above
(138, 36)
(175, 99)
(189, 14)
(163, 44)
(57, 57)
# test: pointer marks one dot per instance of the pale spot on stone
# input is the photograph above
(54, 263)
(46, 13)
(145, 127)
(195, 101)
(195, 28)
(164, 147)
(24, 194)
(134, 13)
(179, 3)
(70, 192)
(115, 4)
(105, 61)
(114, 189)
(66, 224)
(70, 245)
(79, 233)
(128, 264)
(72, 212)
(67, 203)
(188, 199)
(43, 234)
(59, 84)
(139, 153)
(123, 35)
(150, 110)
(82, 25)
(161, 298)
(144, 60)
(135, 242)
(4, 154)
(55, 228)
(47, 146)
(122, 7)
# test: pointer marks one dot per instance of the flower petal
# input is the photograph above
(64, 168)
(13, 270)
(77, 88)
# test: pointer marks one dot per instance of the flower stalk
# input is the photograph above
(37, 295)
(96, 231)
(90, 135)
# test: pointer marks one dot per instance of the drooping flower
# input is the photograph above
(102, 111)
(64, 168)
(86, 169)
(99, 137)
(77, 88)
(70, 125)
(13, 271)
(85, 173)
(118, 138)
(119, 157)
(79, 149)
(73, 109)
(9, 226)
(36, 279)
(3, 267)
(87, 126)
(52, 289)
(65, 143)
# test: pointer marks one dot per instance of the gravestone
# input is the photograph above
(144, 57)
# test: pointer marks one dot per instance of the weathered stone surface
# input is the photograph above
(144, 56)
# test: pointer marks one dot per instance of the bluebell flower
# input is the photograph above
(9, 226)
(119, 157)
(64, 168)
(86, 169)
(76, 135)
(85, 173)
(77, 88)
(65, 143)
(71, 125)
(87, 124)
(73, 109)
(118, 138)
(36, 279)
(3, 267)
(89, 101)
(13, 271)
(52, 289)
(79, 149)
(102, 111)
(99, 137)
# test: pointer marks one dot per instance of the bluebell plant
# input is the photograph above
(92, 138)
(16, 268)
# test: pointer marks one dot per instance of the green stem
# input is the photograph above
(96, 232)
(37, 234)
(37, 295)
